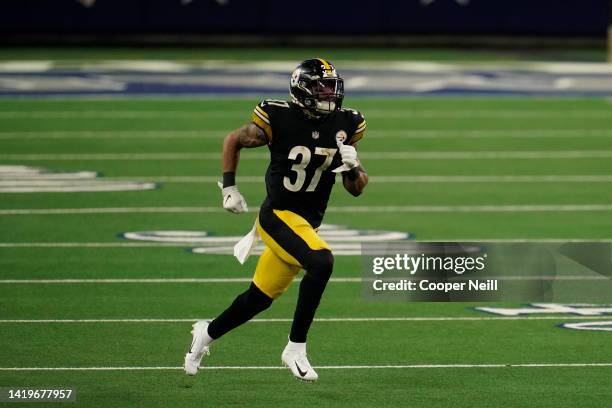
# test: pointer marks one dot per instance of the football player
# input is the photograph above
(310, 138)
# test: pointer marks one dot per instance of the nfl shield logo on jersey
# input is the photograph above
(315, 134)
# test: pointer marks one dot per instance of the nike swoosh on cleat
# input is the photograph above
(227, 198)
(302, 373)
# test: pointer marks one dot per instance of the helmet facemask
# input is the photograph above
(328, 94)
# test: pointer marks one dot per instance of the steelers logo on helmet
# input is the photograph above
(316, 86)
(295, 77)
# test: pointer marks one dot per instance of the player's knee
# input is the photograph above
(320, 265)
(255, 299)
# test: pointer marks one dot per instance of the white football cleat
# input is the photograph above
(198, 347)
(299, 365)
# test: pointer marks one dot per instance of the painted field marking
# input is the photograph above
(25, 179)
(323, 320)
(327, 367)
(394, 155)
(371, 113)
(63, 187)
(388, 133)
(553, 178)
(51, 179)
(121, 134)
(589, 326)
(355, 209)
(98, 281)
(487, 133)
(146, 280)
(177, 244)
(90, 244)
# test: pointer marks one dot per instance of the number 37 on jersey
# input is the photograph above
(304, 151)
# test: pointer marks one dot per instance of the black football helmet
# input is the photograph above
(316, 86)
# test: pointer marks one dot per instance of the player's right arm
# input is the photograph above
(247, 136)
(254, 134)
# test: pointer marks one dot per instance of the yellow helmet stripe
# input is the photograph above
(326, 64)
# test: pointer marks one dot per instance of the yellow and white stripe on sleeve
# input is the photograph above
(262, 120)
(358, 133)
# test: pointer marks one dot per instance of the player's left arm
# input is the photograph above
(355, 180)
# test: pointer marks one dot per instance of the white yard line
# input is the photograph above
(391, 155)
(99, 281)
(474, 208)
(568, 178)
(376, 133)
(185, 244)
(115, 210)
(578, 178)
(327, 367)
(148, 280)
(347, 209)
(120, 134)
(322, 320)
(455, 113)
(91, 244)
(124, 114)
(122, 156)
(371, 113)
(49, 179)
(486, 133)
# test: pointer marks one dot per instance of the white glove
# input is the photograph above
(233, 201)
(349, 158)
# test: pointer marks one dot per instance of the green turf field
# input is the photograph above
(582, 53)
(509, 168)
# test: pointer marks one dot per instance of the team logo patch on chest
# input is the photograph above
(341, 136)
(315, 134)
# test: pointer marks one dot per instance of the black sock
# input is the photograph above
(311, 290)
(243, 309)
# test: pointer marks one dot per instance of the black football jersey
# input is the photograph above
(303, 153)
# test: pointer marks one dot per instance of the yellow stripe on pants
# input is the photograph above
(276, 268)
